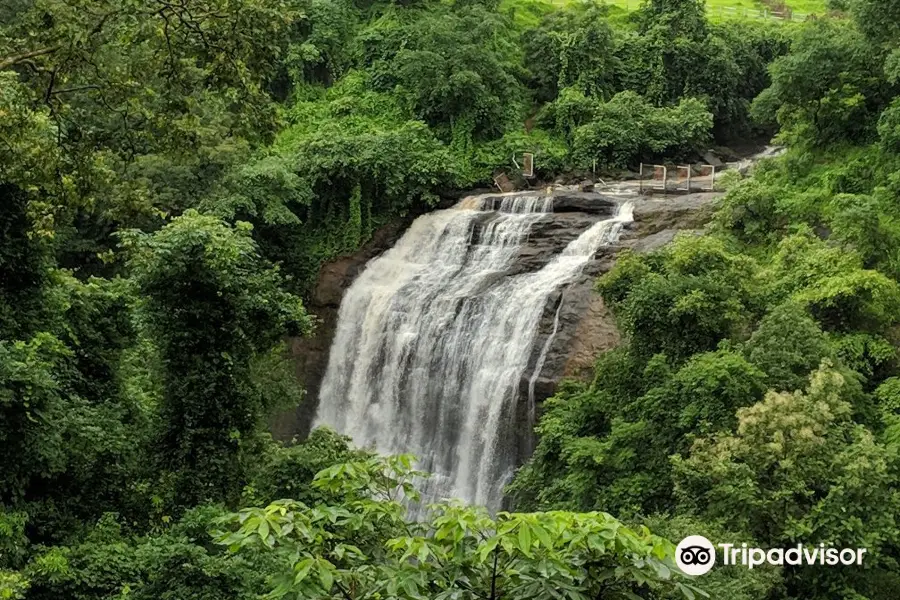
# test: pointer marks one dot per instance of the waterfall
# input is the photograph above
(434, 337)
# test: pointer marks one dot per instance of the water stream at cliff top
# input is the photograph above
(434, 337)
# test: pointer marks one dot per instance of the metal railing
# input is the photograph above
(659, 175)
(657, 178)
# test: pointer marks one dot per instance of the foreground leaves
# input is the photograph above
(367, 548)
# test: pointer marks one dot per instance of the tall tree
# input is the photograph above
(150, 102)
(213, 306)
(829, 87)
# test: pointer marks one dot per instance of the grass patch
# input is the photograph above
(528, 13)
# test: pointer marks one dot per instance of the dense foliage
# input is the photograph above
(173, 175)
(366, 548)
(755, 394)
(373, 109)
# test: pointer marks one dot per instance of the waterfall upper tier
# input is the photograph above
(436, 336)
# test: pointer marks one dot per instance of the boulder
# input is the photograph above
(711, 159)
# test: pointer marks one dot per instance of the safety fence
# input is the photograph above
(681, 178)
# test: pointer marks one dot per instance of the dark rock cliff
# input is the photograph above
(585, 327)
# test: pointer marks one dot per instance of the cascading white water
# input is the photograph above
(433, 339)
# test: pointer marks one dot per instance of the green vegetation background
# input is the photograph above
(173, 174)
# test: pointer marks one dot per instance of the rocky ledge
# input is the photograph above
(566, 200)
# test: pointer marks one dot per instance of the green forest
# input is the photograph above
(174, 173)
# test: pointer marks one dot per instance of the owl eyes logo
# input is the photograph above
(695, 555)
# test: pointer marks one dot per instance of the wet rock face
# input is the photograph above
(585, 326)
(658, 213)
(567, 201)
(310, 354)
(549, 237)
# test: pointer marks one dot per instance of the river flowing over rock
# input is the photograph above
(438, 346)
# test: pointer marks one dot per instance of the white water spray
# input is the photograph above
(433, 339)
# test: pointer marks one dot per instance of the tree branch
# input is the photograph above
(75, 89)
(10, 61)
(14, 60)
(50, 85)
(494, 573)
(342, 590)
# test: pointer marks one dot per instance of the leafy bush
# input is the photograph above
(288, 472)
(24, 266)
(551, 154)
(453, 65)
(364, 160)
(787, 345)
(572, 48)
(830, 282)
(887, 397)
(178, 563)
(827, 88)
(727, 180)
(889, 127)
(33, 413)
(864, 300)
(698, 286)
(627, 129)
(365, 547)
(871, 225)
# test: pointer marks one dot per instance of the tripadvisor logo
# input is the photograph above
(696, 555)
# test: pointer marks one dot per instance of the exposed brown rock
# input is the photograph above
(595, 332)
(310, 356)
